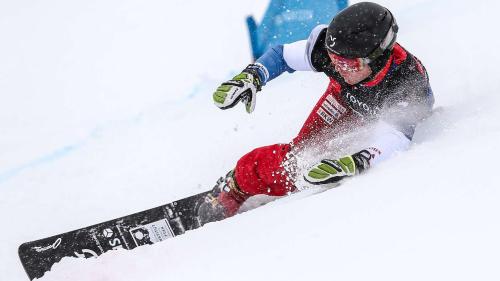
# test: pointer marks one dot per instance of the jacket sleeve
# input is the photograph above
(288, 57)
(385, 141)
(299, 54)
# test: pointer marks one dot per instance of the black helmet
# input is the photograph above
(363, 30)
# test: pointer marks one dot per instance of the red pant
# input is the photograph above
(261, 171)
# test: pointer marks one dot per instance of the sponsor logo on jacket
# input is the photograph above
(358, 105)
(330, 110)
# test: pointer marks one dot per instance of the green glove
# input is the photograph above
(243, 87)
(330, 171)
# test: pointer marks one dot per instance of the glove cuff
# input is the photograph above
(253, 69)
(362, 160)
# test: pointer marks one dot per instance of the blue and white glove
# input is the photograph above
(331, 171)
(243, 87)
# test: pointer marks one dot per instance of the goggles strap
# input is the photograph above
(387, 43)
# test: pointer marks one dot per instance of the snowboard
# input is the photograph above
(128, 232)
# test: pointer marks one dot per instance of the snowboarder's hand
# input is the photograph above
(243, 87)
(330, 171)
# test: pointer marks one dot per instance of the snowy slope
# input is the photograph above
(106, 110)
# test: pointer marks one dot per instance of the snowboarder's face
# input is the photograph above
(352, 71)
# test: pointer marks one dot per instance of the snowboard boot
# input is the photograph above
(223, 201)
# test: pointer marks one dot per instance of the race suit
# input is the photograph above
(395, 98)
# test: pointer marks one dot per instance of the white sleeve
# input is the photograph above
(385, 142)
(297, 55)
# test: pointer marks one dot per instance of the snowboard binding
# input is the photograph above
(222, 202)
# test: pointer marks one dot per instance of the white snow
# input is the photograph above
(106, 110)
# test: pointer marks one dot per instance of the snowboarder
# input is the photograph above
(373, 79)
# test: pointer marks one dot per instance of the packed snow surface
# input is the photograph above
(106, 110)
